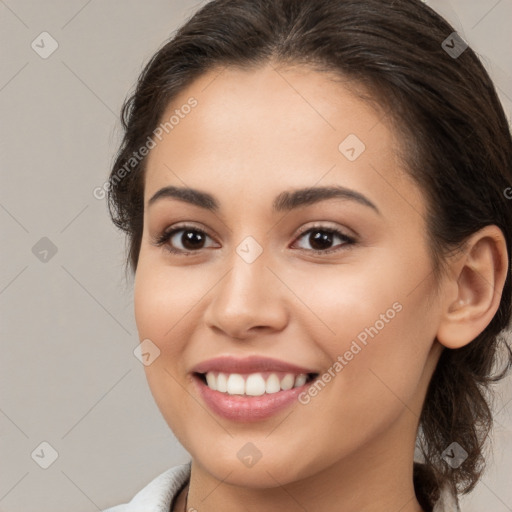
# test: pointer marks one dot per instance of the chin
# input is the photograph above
(262, 474)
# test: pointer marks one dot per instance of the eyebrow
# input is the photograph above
(285, 201)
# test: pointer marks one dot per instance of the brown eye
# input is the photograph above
(190, 239)
(183, 240)
(321, 239)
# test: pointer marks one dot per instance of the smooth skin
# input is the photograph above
(253, 135)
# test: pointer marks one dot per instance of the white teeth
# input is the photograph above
(288, 381)
(273, 385)
(222, 382)
(300, 380)
(254, 384)
(211, 380)
(236, 384)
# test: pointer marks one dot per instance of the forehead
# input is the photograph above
(270, 127)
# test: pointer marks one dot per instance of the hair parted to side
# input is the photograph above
(457, 147)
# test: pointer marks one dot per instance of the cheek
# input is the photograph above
(163, 297)
(377, 329)
(377, 369)
(164, 301)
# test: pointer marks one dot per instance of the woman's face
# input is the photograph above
(338, 285)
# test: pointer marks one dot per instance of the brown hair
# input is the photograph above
(458, 149)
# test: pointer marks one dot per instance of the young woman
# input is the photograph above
(315, 198)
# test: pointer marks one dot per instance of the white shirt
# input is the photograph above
(159, 494)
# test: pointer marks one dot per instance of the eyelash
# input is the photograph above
(163, 238)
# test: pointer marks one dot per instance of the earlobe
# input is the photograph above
(473, 292)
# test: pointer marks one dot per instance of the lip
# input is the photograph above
(250, 364)
(245, 409)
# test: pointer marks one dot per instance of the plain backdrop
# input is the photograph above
(68, 375)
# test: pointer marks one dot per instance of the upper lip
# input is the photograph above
(251, 364)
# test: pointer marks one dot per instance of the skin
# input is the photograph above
(254, 134)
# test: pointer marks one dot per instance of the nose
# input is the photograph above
(248, 300)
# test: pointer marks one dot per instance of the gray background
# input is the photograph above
(68, 375)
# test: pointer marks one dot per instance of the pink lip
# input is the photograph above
(251, 364)
(247, 408)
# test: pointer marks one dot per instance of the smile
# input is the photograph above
(242, 407)
(254, 384)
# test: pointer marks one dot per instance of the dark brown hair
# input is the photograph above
(457, 141)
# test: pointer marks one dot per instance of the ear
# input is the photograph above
(473, 287)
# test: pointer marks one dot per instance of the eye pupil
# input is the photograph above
(321, 238)
(192, 239)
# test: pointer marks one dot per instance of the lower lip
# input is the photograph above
(247, 408)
